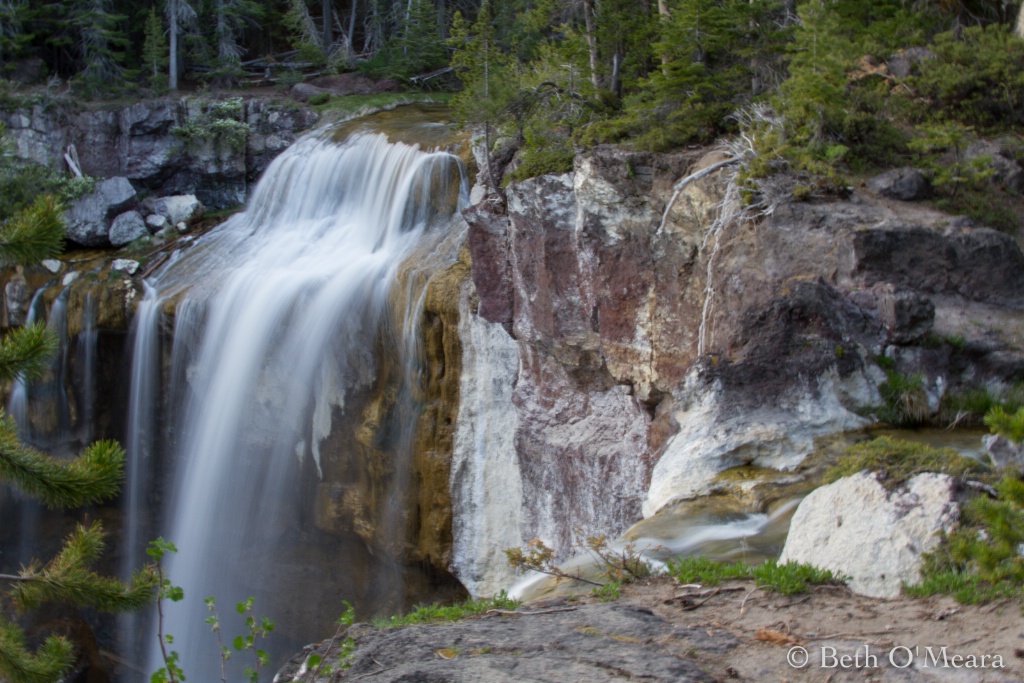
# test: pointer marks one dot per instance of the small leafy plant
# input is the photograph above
(619, 566)
(171, 671)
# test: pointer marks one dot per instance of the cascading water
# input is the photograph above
(280, 316)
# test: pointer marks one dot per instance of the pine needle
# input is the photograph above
(26, 352)
(33, 234)
(92, 477)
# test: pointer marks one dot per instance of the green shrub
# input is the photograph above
(1009, 425)
(320, 98)
(976, 78)
(981, 560)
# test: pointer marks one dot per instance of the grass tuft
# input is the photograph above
(898, 460)
(431, 614)
(790, 578)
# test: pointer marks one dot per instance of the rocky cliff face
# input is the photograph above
(617, 360)
(140, 142)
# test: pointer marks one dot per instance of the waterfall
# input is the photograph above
(280, 316)
(140, 445)
(85, 362)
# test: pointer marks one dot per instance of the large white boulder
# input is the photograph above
(872, 536)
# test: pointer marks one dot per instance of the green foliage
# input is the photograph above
(697, 569)
(256, 630)
(319, 98)
(897, 460)
(975, 79)
(610, 592)
(67, 578)
(92, 477)
(617, 566)
(1009, 425)
(219, 124)
(171, 671)
(45, 665)
(33, 233)
(620, 566)
(416, 48)
(981, 560)
(26, 352)
(154, 52)
(303, 34)
(714, 58)
(905, 401)
(486, 72)
(100, 43)
(430, 614)
(966, 407)
(791, 578)
(788, 579)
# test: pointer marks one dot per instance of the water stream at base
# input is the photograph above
(279, 315)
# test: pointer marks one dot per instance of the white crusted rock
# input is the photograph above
(125, 265)
(872, 536)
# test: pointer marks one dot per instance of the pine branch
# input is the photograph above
(92, 477)
(26, 352)
(33, 234)
(19, 665)
(68, 578)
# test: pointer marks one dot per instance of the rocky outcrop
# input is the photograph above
(906, 184)
(144, 143)
(99, 219)
(874, 537)
(656, 348)
(597, 643)
(88, 219)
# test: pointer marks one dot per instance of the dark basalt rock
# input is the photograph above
(906, 184)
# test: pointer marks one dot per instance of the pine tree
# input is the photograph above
(229, 19)
(101, 43)
(154, 52)
(14, 36)
(31, 234)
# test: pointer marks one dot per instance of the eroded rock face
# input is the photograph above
(658, 347)
(139, 143)
(875, 537)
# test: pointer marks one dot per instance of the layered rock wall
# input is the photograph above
(655, 348)
(140, 142)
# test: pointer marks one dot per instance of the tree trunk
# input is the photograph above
(590, 22)
(328, 20)
(172, 15)
(665, 15)
(350, 41)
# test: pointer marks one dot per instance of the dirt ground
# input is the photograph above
(882, 640)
